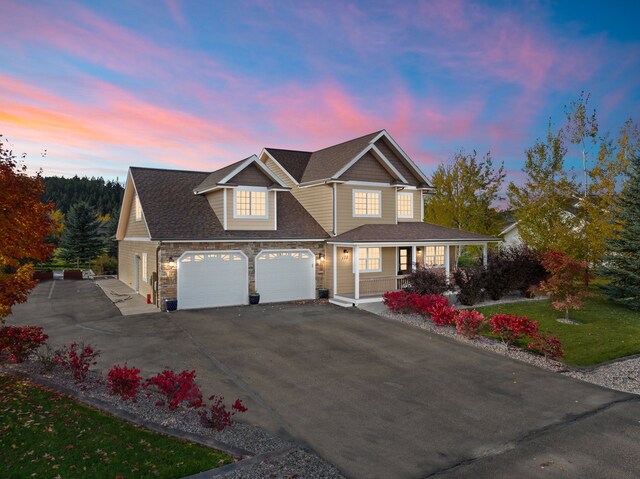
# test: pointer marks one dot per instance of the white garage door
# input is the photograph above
(212, 278)
(285, 275)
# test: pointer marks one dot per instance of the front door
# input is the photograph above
(404, 260)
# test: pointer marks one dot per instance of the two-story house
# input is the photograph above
(348, 218)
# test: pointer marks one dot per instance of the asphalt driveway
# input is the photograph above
(374, 397)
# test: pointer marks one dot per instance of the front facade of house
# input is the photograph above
(347, 218)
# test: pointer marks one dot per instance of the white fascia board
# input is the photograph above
(214, 188)
(508, 228)
(242, 240)
(126, 199)
(387, 164)
(375, 149)
(413, 166)
(412, 243)
(265, 169)
(246, 162)
(120, 219)
(265, 152)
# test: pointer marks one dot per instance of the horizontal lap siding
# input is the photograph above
(346, 220)
(367, 168)
(279, 172)
(216, 200)
(251, 176)
(127, 250)
(136, 229)
(251, 224)
(346, 277)
(318, 201)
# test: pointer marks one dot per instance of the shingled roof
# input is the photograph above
(407, 232)
(293, 161)
(173, 212)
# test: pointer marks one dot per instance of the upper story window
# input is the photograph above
(138, 208)
(369, 260)
(250, 203)
(405, 205)
(434, 256)
(367, 203)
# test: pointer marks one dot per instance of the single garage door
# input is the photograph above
(212, 278)
(285, 275)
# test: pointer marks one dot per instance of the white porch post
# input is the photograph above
(484, 255)
(356, 270)
(447, 261)
(413, 257)
(334, 259)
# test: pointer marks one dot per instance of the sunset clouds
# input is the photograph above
(196, 85)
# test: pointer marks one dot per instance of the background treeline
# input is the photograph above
(103, 196)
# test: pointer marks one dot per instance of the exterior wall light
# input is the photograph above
(172, 262)
(320, 258)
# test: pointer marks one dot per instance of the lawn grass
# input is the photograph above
(608, 330)
(46, 434)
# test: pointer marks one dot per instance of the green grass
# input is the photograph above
(45, 434)
(608, 330)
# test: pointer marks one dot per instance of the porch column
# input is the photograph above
(447, 262)
(356, 270)
(414, 257)
(484, 255)
(334, 260)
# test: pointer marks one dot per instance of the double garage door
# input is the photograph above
(220, 278)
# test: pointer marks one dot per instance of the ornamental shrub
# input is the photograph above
(499, 279)
(176, 388)
(426, 280)
(568, 281)
(511, 328)
(124, 381)
(443, 315)
(397, 301)
(548, 346)
(527, 267)
(470, 282)
(18, 342)
(217, 416)
(78, 358)
(468, 323)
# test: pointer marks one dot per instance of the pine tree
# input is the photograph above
(80, 240)
(110, 241)
(623, 260)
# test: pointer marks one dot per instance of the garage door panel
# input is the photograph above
(211, 279)
(285, 275)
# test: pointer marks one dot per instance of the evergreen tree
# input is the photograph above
(110, 241)
(80, 240)
(623, 260)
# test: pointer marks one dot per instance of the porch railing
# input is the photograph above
(381, 284)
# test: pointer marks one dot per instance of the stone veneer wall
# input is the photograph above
(167, 286)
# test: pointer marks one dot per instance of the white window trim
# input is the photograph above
(353, 203)
(144, 267)
(252, 217)
(368, 270)
(137, 207)
(410, 195)
(430, 259)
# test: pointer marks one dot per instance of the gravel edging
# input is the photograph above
(621, 375)
(254, 449)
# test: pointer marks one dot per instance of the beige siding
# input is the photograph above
(135, 229)
(346, 277)
(248, 223)
(318, 201)
(346, 220)
(367, 168)
(251, 176)
(395, 160)
(127, 251)
(216, 200)
(329, 269)
(279, 172)
(417, 198)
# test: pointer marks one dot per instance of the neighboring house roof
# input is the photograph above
(223, 175)
(293, 161)
(173, 212)
(413, 231)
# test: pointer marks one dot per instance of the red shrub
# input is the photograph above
(20, 341)
(217, 416)
(427, 303)
(443, 315)
(78, 357)
(468, 323)
(510, 327)
(124, 381)
(397, 301)
(548, 346)
(177, 388)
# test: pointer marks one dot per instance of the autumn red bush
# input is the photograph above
(511, 328)
(176, 388)
(547, 346)
(443, 315)
(397, 301)
(124, 381)
(468, 323)
(568, 281)
(217, 416)
(78, 358)
(20, 341)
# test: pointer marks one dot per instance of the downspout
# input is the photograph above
(335, 210)
(156, 288)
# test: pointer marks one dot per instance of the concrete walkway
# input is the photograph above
(126, 299)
